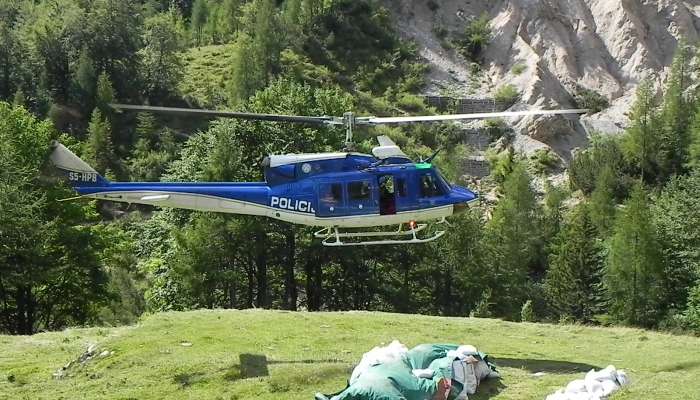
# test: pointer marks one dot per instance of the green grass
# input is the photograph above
(206, 69)
(283, 355)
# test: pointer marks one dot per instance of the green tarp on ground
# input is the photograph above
(395, 380)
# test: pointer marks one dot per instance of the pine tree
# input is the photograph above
(511, 239)
(247, 74)
(311, 9)
(675, 116)
(552, 212)
(266, 35)
(198, 20)
(676, 219)
(146, 126)
(292, 13)
(550, 224)
(19, 99)
(642, 141)
(86, 79)
(98, 152)
(573, 283)
(229, 13)
(694, 142)
(604, 151)
(602, 206)
(104, 93)
(635, 265)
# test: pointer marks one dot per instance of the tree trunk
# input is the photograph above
(6, 323)
(405, 289)
(311, 304)
(290, 283)
(261, 272)
(231, 289)
(250, 286)
(26, 306)
(314, 283)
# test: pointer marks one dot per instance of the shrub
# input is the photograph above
(590, 99)
(690, 318)
(446, 44)
(502, 164)
(483, 307)
(433, 5)
(440, 31)
(410, 102)
(495, 127)
(518, 69)
(543, 161)
(507, 94)
(474, 69)
(476, 36)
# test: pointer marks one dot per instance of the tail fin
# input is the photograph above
(78, 172)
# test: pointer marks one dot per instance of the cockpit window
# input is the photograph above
(429, 186)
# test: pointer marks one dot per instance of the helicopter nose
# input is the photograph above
(465, 196)
(460, 208)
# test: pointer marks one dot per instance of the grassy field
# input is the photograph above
(282, 355)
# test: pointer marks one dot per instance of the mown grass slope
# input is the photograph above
(206, 70)
(283, 355)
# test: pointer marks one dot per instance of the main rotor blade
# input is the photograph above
(325, 120)
(457, 117)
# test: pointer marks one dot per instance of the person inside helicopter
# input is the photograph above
(333, 195)
(387, 197)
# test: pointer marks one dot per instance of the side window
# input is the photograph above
(401, 187)
(429, 186)
(331, 193)
(337, 191)
(359, 190)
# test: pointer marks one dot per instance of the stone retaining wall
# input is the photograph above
(465, 106)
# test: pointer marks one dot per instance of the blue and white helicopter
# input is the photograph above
(336, 191)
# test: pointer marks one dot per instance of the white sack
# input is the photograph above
(378, 355)
(597, 385)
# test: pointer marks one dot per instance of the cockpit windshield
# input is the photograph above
(433, 184)
(442, 179)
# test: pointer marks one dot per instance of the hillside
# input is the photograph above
(272, 355)
(551, 49)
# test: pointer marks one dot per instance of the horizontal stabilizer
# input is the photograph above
(157, 197)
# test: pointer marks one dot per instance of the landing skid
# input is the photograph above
(332, 237)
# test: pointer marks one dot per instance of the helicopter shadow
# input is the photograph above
(546, 366)
(257, 365)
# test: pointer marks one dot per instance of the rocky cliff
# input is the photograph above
(548, 49)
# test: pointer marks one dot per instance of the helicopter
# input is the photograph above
(338, 192)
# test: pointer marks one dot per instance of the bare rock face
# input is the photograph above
(548, 48)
